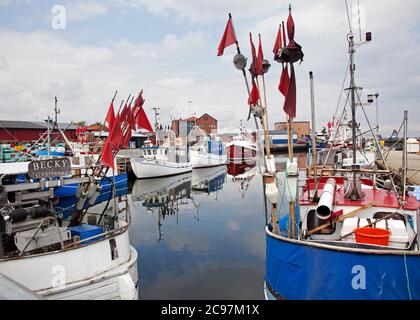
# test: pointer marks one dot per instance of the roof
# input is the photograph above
(206, 114)
(12, 124)
(294, 121)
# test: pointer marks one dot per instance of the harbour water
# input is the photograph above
(204, 245)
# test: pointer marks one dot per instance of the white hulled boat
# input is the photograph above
(205, 151)
(160, 161)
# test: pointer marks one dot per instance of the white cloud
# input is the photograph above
(177, 67)
(177, 82)
(85, 10)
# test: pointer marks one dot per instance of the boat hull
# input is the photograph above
(299, 271)
(82, 273)
(67, 200)
(150, 168)
(206, 160)
(241, 154)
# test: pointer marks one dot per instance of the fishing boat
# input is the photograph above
(341, 237)
(78, 250)
(161, 161)
(205, 151)
(242, 148)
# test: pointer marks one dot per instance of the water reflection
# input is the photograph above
(165, 196)
(242, 174)
(198, 237)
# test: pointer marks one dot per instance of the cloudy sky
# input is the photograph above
(169, 49)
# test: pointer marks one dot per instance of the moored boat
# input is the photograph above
(160, 161)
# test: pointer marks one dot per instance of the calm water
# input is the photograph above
(200, 235)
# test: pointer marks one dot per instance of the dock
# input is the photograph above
(394, 161)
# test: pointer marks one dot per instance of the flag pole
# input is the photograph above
(249, 94)
(103, 124)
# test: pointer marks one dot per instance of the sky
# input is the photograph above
(168, 48)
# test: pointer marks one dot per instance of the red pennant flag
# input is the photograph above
(132, 119)
(255, 95)
(143, 121)
(291, 30)
(284, 81)
(107, 158)
(278, 44)
(290, 100)
(127, 137)
(115, 137)
(260, 58)
(254, 57)
(110, 116)
(124, 113)
(228, 38)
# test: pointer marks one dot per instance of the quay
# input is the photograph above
(394, 161)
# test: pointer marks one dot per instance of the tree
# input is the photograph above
(80, 123)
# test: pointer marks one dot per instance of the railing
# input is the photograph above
(54, 219)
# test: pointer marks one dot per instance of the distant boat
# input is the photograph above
(205, 151)
(242, 149)
(160, 161)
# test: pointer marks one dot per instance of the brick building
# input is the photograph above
(206, 122)
(301, 128)
(28, 131)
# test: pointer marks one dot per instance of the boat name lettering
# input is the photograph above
(49, 168)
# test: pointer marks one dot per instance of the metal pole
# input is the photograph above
(405, 155)
(49, 136)
(260, 144)
(354, 193)
(377, 134)
(314, 157)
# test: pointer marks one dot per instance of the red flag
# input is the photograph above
(110, 116)
(278, 44)
(115, 137)
(284, 81)
(143, 121)
(127, 137)
(290, 100)
(254, 57)
(259, 66)
(139, 101)
(132, 118)
(255, 95)
(124, 113)
(107, 158)
(291, 30)
(228, 38)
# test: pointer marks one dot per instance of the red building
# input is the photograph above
(206, 122)
(28, 131)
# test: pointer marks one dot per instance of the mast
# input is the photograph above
(354, 191)
(314, 157)
(405, 156)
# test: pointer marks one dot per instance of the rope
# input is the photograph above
(407, 277)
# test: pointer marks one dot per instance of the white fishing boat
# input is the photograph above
(64, 235)
(160, 161)
(205, 151)
(242, 149)
(87, 260)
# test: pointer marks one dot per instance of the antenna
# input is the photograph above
(189, 103)
(360, 26)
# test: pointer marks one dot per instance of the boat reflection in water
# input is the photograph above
(167, 196)
(242, 173)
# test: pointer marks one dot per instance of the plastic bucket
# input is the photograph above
(375, 236)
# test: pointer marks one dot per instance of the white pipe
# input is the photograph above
(325, 204)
